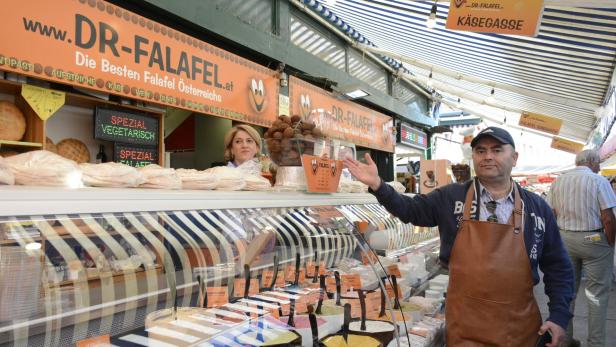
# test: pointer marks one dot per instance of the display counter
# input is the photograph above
(136, 267)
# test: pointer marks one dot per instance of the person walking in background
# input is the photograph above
(582, 201)
(494, 237)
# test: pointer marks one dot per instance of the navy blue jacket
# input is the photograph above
(444, 207)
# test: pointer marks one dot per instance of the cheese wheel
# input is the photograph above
(12, 122)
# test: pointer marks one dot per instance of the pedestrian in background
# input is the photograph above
(582, 201)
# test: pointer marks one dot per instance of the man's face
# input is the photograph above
(493, 160)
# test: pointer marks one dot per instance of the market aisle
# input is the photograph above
(580, 324)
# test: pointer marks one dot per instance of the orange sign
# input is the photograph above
(98, 341)
(240, 286)
(567, 145)
(322, 174)
(99, 46)
(217, 296)
(514, 17)
(540, 122)
(350, 281)
(340, 119)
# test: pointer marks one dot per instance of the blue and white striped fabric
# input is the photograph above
(565, 71)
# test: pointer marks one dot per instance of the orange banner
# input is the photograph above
(540, 122)
(99, 46)
(341, 119)
(514, 17)
(567, 145)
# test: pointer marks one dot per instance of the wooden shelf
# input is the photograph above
(19, 144)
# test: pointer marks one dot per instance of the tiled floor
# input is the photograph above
(580, 323)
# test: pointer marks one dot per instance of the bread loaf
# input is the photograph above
(12, 122)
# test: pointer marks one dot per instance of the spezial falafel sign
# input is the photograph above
(96, 45)
(514, 17)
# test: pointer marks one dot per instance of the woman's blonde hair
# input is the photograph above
(231, 135)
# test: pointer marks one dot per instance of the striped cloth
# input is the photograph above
(578, 198)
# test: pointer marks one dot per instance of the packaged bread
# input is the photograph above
(6, 176)
(110, 175)
(196, 179)
(158, 177)
(12, 122)
(73, 149)
(228, 178)
(45, 169)
(254, 182)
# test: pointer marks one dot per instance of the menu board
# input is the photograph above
(135, 156)
(125, 126)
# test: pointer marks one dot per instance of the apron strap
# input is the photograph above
(517, 210)
(470, 194)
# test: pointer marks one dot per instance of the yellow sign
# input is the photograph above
(44, 102)
(540, 122)
(567, 145)
(514, 17)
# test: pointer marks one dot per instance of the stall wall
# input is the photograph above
(209, 140)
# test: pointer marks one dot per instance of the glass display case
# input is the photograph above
(131, 267)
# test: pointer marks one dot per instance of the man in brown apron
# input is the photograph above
(494, 236)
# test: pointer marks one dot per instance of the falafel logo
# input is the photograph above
(305, 105)
(257, 95)
(333, 167)
(314, 165)
(459, 3)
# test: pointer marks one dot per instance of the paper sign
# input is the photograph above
(289, 273)
(311, 268)
(240, 286)
(350, 281)
(266, 278)
(322, 175)
(373, 301)
(567, 145)
(541, 122)
(301, 307)
(217, 296)
(45, 102)
(283, 105)
(280, 280)
(513, 17)
(330, 284)
(394, 270)
(98, 341)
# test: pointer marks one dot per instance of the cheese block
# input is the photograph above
(12, 122)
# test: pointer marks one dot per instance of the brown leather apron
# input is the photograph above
(490, 298)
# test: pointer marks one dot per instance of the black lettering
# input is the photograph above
(196, 67)
(80, 21)
(183, 65)
(138, 51)
(207, 73)
(217, 83)
(170, 69)
(460, 22)
(157, 56)
(111, 42)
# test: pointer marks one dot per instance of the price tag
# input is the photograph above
(311, 268)
(217, 296)
(240, 286)
(350, 281)
(302, 276)
(330, 284)
(266, 278)
(45, 102)
(289, 273)
(98, 341)
(394, 270)
(301, 307)
(366, 259)
(373, 301)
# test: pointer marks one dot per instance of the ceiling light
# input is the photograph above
(357, 93)
(491, 99)
(431, 21)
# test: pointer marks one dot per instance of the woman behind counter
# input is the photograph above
(242, 143)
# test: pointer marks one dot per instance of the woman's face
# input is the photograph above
(243, 147)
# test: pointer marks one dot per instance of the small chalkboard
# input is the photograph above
(135, 156)
(125, 126)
